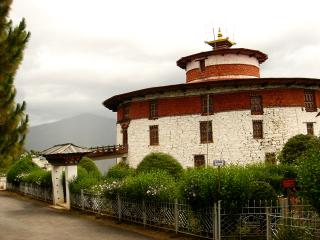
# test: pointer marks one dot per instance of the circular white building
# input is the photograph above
(223, 111)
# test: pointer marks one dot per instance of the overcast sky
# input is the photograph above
(82, 52)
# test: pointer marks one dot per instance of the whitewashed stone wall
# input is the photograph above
(232, 135)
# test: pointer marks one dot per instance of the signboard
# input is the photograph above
(288, 183)
(218, 163)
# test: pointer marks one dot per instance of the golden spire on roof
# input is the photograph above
(221, 42)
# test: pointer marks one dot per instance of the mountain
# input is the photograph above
(86, 130)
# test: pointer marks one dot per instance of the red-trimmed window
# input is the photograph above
(309, 101)
(154, 135)
(199, 161)
(257, 129)
(125, 137)
(310, 130)
(202, 65)
(206, 132)
(256, 105)
(206, 104)
(153, 110)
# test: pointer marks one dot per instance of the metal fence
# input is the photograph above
(222, 220)
(33, 190)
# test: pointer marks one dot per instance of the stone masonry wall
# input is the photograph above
(232, 135)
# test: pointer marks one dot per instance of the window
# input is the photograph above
(153, 110)
(124, 137)
(126, 109)
(256, 105)
(271, 158)
(310, 128)
(207, 106)
(206, 132)
(154, 135)
(202, 65)
(309, 101)
(199, 161)
(257, 129)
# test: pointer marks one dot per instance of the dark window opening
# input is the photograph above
(202, 65)
(154, 135)
(310, 130)
(124, 137)
(256, 105)
(153, 110)
(207, 104)
(206, 132)
(199, 161)
(257, 129)
(126, 110)
(271, 158)
(309, 101)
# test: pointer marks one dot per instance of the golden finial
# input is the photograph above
(219, 34)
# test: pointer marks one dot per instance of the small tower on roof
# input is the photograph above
(220, 43)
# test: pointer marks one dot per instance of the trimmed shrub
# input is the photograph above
(297, 147)
(309, 177)
(87, 182)
(153, 185)
(20, 168)
(90, 166)
(260, 190)
(119, 171)
(160, 161)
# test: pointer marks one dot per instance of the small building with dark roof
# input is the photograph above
(225, 110)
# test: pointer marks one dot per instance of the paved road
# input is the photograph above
(24, 220)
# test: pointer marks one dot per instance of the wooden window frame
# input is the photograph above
(126, 112)
(257, 129)
(153, 110)
(154, 135)
(310, 101)
(204, 104)
(310, 128)
(199, 160)
(202, 65)
(256, 104)
(125, 137)
(206, 132)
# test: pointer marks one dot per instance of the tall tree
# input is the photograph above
(13, 121)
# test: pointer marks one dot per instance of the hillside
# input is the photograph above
(85, 130)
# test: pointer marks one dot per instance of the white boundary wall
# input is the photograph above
(232, 135)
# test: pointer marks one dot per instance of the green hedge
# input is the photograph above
(40, 177)
(89, 166)
(160, 161)
(119, 171)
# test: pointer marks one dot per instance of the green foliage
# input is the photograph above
(20, 168)
(89, 166)
(160, 161)
(296, 147)
(153, 185)
(40, 177)
(84, 181)
(262, 191)
(288, 232)
(309, 177)
(120, 171)
(13, 121)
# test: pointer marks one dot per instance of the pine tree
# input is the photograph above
(13, 121)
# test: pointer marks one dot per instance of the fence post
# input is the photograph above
(82, 199)
(268, 221)
(176, 215)
(215, 221)
(219, 219)
(119, 207)
(144, 214)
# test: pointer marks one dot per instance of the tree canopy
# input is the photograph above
(13, 121)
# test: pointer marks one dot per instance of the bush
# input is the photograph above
(296, 147)
(87, 182)
(153, 185)
(119, 171)
(89, 166)
(20, 168)
(309, 177)
(39, 177)
(160, 161)
(260, 190)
